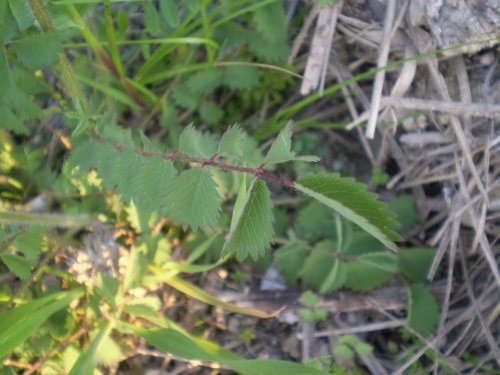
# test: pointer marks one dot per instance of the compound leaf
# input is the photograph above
(192, 199)
(253, 228)
(351, 200)
(423, 311)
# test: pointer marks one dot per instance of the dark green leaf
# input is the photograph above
(271, 21)
(384, 261)
(290, 259)
(415, 262)
(423, 311)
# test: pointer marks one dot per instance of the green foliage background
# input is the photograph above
(95, 105)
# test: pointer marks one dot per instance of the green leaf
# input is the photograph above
(405, 207)
(276, 52)
(185, 98)
(150, 184)
(343, 352)
(364, 277)
(415, 262)
(19, 323)
(230, 143)
(270, 21)
(335, 278)
(322, 270)
(87, 361)
(179, 344)
(314, 221)
(30, 243)
(19, 266)
(22, 13)
(423, 311)
(290, 259)
(151, 18)
(210, 112)
(4, 73)
(192, 199)
(205, 80)
(168, 10)
(384, 261)
(309, 299)
(240, 201)
(37, 50)
(195, 143)
(351, 200)
(136, 267)
(281, 149)
(240, 77)
(253, 229)
(11, 122)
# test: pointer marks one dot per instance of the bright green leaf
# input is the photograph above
(192, 199)
(87, 361)
(351, 200)
(253, 229)
(19, 323)
(423, 311)
(19, 266)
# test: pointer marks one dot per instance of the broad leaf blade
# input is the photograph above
(231, 141)
(18, 324)
(87, 361)
(253, 229)
(423, 311)
(351, 200)
(192, 199)
(281, 149)
(194, 143)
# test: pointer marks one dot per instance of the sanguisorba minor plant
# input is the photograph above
(110, 175)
